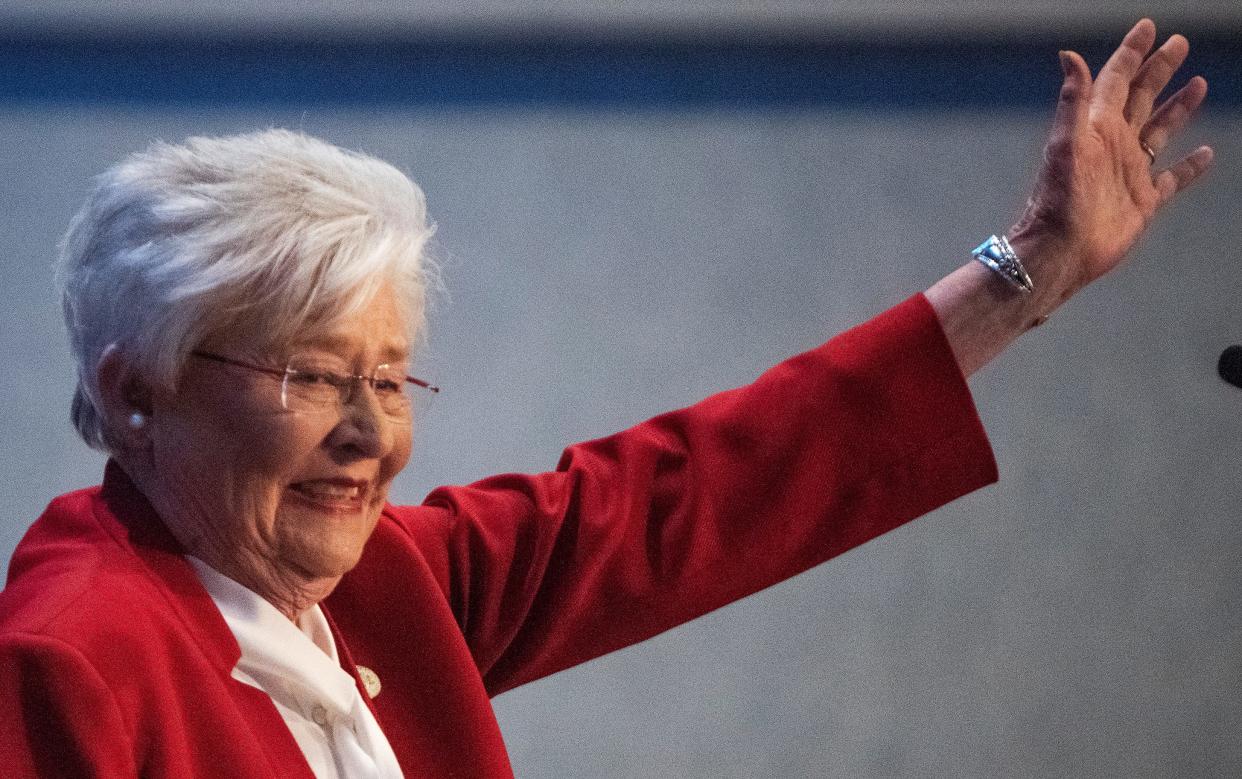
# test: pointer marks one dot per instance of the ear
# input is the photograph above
(126, 399)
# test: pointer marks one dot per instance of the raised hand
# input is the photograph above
(1099, 189)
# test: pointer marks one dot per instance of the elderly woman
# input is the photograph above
(238, 599)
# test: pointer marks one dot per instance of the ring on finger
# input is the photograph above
(1148, 150)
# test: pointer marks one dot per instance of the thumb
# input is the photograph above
(1075, 94)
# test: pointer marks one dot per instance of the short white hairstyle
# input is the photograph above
(271, 233)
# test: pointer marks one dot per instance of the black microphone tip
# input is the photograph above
(1230, 365)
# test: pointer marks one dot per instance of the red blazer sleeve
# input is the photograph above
(643, 530)
(60, 718)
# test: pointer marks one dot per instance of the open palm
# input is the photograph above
(1098, 190)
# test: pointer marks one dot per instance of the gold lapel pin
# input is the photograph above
(370, 681)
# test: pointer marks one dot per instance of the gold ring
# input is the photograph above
(1151, 153)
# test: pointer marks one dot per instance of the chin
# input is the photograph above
(335, 561)
(326, 550)
(323, 558)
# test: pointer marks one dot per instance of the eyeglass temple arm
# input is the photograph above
(239, 363)
(423, 384)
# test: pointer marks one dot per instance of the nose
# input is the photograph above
(364, 428)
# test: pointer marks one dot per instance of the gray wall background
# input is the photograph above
(1080, 618)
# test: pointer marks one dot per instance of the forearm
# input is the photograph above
(982, 314)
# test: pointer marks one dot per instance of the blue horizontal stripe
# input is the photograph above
(734, 73)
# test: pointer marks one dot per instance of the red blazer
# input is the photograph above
(115, 662)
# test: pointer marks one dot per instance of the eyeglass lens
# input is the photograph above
(311, 387)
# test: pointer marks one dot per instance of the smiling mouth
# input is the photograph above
(332, 494)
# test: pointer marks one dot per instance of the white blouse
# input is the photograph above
(300, 670)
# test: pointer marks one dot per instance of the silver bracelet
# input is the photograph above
(1000, 258)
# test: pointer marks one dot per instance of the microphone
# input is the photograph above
(1230, 365)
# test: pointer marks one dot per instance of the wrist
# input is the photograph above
(1051, 263)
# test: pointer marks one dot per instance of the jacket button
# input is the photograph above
(319, 714)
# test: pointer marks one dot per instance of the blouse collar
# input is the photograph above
(298, 662)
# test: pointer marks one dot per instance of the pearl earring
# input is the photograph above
(137, 420)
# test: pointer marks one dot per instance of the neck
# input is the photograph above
(290, 592)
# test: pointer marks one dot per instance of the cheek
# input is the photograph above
(263, 452)
(282, 450)
(241, 462)
(403, 445)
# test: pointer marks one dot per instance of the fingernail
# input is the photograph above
(1065, 61)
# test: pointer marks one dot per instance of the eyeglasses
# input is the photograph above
(311, 385)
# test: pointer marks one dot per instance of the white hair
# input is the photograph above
(271, 233)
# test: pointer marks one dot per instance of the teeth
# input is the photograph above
(324, 490)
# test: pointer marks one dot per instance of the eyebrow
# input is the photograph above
(397, 350)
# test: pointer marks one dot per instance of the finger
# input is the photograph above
(1169, 182)
(1173, 114)
(1153, 76)
(1112, 86)
(1075, 95)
